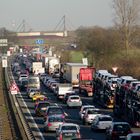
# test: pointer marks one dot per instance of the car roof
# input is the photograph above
(115, 123)
(83, 106)
(68, 124)
(133, 134)
(74, 96)
(102, 116)
(55, 115)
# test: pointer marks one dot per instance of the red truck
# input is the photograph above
(86, 80)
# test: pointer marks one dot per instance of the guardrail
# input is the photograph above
(24, 128)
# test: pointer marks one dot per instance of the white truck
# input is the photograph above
(51, 64)
(62, 89)
(71, 74)
(37, 68)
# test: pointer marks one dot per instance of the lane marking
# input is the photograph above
(34, 123)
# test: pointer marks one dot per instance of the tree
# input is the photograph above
(126, 20)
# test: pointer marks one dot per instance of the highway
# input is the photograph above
(36, 123)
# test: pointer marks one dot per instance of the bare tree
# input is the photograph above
(126, 20)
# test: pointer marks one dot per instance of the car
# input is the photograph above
(74, 101)
(32, 91)
(54, 110)
(68, 131)
(40, 107)
(89, 115)
(66, 96)
(24, 84)
(52, 122)
(39, 96)
(101, 122)
(133, 136)
(83, 108)
(118, 130)
(42, 76)
(21, 76)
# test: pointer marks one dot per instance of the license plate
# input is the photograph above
(68, 134)
(121, 137)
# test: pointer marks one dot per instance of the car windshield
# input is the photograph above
(56, 119)
(25, 82)
(55, 111)
(87, 108)
(41, 105)
(75, 98)
(33, 81)
(69, 127)
(105, 119)
(93, 112)
(121, 127)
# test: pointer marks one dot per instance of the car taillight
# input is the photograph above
(114, 133)
(78, 135)
(60, 138)
(49, 124)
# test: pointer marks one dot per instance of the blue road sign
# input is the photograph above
(39, 41)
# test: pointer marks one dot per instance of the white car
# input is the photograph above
(83, 108)
(90, 115)
(101, 122)
(74, 101)
(68, 128)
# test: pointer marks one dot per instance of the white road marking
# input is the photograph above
(34, 123)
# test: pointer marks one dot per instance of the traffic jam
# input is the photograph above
(72, 101)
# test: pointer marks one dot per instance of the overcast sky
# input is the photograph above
(46, 14)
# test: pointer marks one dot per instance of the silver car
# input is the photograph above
(101, 122)
(52, 122)
(90, 115)
(83, 108)
(68, 131)
(74, 101)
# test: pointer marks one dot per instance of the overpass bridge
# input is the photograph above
(42, 38)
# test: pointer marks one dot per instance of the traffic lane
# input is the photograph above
(37, 124)
(73, 117)
(28, 111)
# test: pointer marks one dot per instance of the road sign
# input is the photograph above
(14, 88)
(114, 69)
(3, 42)
(4, 61)
(39, 41)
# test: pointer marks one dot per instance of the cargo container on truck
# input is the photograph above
(72, 73)
(86, 76)
(62, 89)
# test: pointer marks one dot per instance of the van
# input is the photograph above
(34, 82)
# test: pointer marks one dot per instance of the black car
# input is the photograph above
(41, 107)
(24, 84)
(118, 131)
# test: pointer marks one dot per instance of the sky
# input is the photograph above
(44, 15)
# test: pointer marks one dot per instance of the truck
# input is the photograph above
(51, 64)
(72, 72)
(127, 102)
(86, 77)
(62, 89)
(37, 68)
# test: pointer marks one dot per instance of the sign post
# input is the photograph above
(14, 88)
(4, 61)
